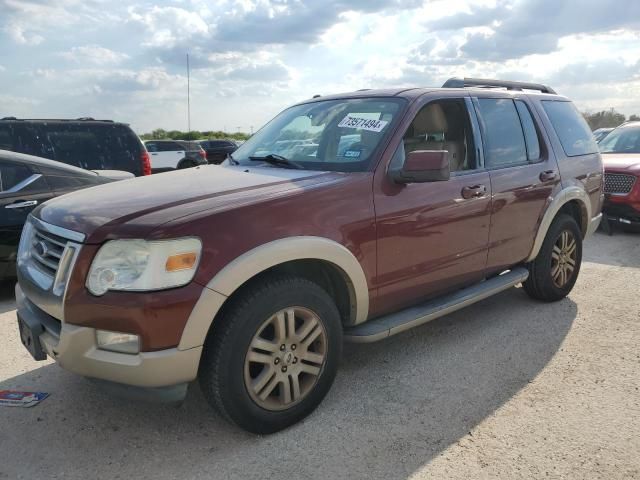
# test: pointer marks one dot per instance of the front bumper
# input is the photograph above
(622, 212)
(74, 348)
(594, 223)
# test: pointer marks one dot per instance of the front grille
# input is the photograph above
(47, 250)
(618, 183)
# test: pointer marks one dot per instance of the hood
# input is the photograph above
(132, 208)
(622, 162)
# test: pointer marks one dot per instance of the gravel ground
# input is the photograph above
(509, 388)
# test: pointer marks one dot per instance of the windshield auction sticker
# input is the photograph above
(363, 123)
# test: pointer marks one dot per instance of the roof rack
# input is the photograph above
(81, 119)
(489, 83)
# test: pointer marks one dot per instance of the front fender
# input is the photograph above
(266, 256)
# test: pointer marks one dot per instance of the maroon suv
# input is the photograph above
(621, 156)
(353, 216)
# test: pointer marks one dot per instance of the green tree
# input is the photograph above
(604, 119)
(159, 134)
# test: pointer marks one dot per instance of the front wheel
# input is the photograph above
(273, 356)
(554, 271)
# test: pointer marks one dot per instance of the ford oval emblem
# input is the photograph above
(41, 249)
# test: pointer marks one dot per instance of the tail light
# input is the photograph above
(146, 163)
(203, 154)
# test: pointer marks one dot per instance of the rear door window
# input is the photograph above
(169, 147)
(504, 142)
(572, 129)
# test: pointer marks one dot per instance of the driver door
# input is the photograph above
(433, 237)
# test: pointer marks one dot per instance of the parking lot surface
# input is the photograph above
(509, 388)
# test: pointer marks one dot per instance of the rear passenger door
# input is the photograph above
(524, 175)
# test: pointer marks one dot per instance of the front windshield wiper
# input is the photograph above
(232, 160)
(278, 160)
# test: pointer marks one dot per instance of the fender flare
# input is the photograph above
(565, 196)
(263, 257)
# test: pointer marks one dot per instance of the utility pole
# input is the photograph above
(188, 96)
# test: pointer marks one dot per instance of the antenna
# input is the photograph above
(188, 96)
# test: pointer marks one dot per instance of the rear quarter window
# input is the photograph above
(572, 129)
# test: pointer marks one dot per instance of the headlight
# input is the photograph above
(139, 265)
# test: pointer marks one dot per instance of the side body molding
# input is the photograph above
(565, 196)
(261, 258)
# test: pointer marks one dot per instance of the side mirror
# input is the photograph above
(423, 166)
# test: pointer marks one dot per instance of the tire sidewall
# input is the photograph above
(246, 321)
(561, 224)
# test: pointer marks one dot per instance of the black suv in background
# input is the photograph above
(84, 143)
(217, 150)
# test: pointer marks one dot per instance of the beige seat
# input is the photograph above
(432, 120)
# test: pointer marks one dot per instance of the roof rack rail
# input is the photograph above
(489, 83)
(8, 118)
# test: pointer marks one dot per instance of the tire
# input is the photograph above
(186, 164)
(546, 281)
(228, 375)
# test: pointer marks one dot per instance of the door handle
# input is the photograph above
(548, 176)
(475, 191)
(25, 204)
(154, 154)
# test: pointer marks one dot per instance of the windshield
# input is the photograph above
(336, 135)
(622, 140)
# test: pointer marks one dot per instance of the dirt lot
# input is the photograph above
(509, 388)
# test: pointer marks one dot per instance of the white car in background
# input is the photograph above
(174, 154)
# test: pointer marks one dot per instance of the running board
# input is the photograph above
(383, 327)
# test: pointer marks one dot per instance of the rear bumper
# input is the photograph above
(74, 348)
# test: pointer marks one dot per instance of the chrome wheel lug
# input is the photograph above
(282, 347)
(276, 360)
(295, 359)
(293, 347)
(284, 368)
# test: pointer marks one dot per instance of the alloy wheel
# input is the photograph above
(563, 259)
(285, 358)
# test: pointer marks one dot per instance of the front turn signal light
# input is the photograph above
(181, 261)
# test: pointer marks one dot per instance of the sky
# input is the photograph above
(250, 59)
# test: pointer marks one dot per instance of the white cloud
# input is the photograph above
(169, 26)
(21, 36)
(94, 54)
(251, 58)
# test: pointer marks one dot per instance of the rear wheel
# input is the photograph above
(554, 271)
(186, 164)
(273, 355)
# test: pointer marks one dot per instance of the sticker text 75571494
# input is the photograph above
(362, 123)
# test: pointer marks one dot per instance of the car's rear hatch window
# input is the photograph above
(92, 146)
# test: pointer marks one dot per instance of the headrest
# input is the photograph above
(429, 120)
